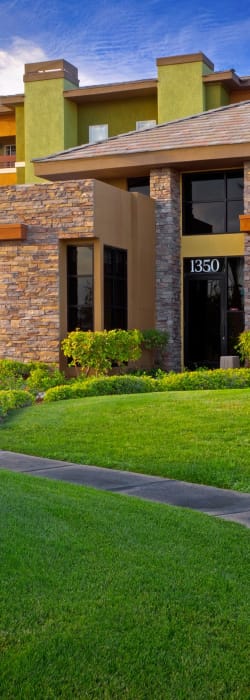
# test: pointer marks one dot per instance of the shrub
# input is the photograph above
(99, 350)
(243, 346)
(205, 379)
(14, 399)
(100, 386)
(153, 338)
(130, 384)
(43, 378)
(13, 374)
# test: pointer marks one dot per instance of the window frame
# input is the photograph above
(112, 308)
(145, 124)
(75, 277)
(93, 127)
(221, 202)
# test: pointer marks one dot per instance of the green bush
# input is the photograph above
(99, 350)
(205, 379)
(16, 398)
(130, 384)
(154, 339)
(100, 386)
(13, 374)
(43, 378)
(243, 346)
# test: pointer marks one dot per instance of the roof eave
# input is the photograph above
(117, 165)
(97, 93)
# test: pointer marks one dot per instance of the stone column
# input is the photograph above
(247, 245)
(165, 189)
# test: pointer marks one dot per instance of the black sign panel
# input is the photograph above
(204, 266)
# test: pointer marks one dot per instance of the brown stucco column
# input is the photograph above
(245, 227)
(165, 189)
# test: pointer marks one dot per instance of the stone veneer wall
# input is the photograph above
(247, 246)
(165, 189)
(29, 269)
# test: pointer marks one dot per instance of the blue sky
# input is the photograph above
(113, 40)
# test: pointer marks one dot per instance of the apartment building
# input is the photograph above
(54, 113)
(150, 228)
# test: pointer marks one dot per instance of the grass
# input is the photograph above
(108, 598)
(197, 436)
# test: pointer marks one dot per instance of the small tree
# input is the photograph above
(99, 350)
(243, 346)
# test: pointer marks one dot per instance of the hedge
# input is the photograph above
(127, 384)
(16, 398)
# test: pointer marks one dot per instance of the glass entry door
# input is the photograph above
(205, 333)
(213, 309)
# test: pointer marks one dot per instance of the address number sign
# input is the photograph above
(205, 265)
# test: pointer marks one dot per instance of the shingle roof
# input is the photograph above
(225, 125)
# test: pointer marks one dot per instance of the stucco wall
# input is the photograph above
(126, 220)
(180, 90)
(120, 115)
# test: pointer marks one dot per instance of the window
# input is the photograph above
(115, 288)
(212, 202)
(80, 287)
(145, 124)
(139, 184)
(98, 132)
(10, 149)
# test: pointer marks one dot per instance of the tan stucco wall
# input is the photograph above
(126, 220)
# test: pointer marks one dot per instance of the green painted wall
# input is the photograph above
(120, 115)
(49, 126)
(180, 90)
(44, 121)
(215, 96)
(70, 120)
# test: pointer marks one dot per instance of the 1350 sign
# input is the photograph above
(205, 265)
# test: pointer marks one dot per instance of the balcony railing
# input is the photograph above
(7, 162)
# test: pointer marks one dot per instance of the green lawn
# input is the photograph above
(104, 597)
(199, 436)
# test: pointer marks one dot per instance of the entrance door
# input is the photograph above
(213, 309)
(204, 321)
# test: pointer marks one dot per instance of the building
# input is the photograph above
(54, 113)
(88, 247)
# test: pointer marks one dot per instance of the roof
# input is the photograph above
(225, 126)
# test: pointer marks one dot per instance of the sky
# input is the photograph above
(119, 40)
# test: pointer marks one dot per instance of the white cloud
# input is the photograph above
(12, 64)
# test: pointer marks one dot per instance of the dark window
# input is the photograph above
(115, 288)
(139, 184)
(80, 287)
(235, 301)
(212, 202)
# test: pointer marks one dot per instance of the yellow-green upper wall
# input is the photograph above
(120, 115)
(216, 96)
(180, 90)
(50, 126)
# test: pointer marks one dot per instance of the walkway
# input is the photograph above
(229, 505)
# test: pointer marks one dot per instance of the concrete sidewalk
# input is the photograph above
(221, 503)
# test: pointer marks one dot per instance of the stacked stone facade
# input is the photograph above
(29, 269)
(165, 189)
(247, 246)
